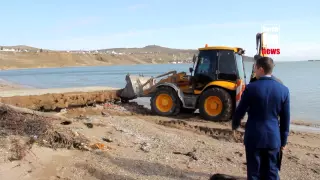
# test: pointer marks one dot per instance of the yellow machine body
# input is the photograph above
(211, 87)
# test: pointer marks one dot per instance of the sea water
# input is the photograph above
(300, 77)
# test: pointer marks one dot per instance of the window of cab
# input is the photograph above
(227, 65)
(206, 62)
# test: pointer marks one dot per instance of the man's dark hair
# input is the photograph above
(266, 64)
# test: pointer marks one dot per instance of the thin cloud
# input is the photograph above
(101, 41)
(249, 24)
(124, 38)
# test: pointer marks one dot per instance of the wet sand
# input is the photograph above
(5, 86)
(58, 98)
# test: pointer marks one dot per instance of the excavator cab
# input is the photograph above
(217, 63)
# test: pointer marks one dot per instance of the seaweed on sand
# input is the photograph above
(35, 127)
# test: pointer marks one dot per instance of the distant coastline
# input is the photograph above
(26, 57)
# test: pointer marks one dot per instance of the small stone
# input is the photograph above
(99, 107)
(107, 139)
(89, 125)
(145, 147)
(228, 159)
(86, 148)
(75, 133)
(105, 113)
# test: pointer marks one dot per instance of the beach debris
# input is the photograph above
(219, 176)
(98, 107)
(75, 133)
(34, 127)
(315, 171)
(18, 150)
(107, 139)
(82, 117)
(103, 113)
(63, 138)
(239, 154)
(146, 147)
(89, 125)
(63, 111)
(16, 122)
(66, 122)
(191, 154)
(97, 146)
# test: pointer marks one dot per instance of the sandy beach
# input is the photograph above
(125, 141)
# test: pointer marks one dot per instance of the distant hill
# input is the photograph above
(23, 47)
(160, 49)
(151, 54)
(149, 48)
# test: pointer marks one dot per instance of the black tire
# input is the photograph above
(175, 99)
(226, 100)
(187, 111)
(124, 100)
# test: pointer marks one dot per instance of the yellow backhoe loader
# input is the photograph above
(214, 87)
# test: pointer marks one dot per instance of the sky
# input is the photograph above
(185, 24)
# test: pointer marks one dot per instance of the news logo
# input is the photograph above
(271, 39)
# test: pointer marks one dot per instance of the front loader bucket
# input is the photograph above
(135, 87)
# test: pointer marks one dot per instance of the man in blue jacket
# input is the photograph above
(265, 100)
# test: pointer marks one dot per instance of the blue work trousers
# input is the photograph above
(262, 164)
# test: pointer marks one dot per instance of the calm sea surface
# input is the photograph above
(300, 77)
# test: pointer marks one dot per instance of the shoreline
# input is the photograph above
(10, 89)
(8, 86)
(84, 65)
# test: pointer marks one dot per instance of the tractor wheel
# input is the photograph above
(124, 100)
(165, 102)
(215, 104)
